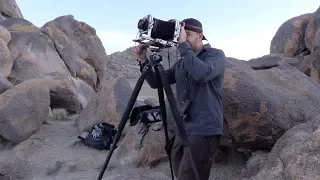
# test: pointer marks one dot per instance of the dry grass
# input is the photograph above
(59, 113)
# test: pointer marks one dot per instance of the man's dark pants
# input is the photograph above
(202, 149)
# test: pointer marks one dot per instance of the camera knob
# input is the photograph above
(156, 57)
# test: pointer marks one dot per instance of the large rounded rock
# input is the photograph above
(275, 59)
(289, 39)
(9, 9)
(254, 164)
(5, 34)
(67, 93)
(6, 61)
(62, 94)
(23, 109)
(311, 30)
(137, 149)
(107, 105)
(308, 65)
(260, 105)
(5, 85)
(317, 50)
(19, 25)
(2, 18)
(305, 64)
(77, 66)
(33, 52)
(77, 41)
(84, 92)
(70, 93)
(294, 156)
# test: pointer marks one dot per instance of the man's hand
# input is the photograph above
(183, 35)
(140, 52)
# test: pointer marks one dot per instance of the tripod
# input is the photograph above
(162, 83)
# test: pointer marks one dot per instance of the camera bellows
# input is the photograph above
(163, 29)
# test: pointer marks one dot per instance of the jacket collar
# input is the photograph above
(204, 48)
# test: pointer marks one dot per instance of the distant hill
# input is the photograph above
(124, 64)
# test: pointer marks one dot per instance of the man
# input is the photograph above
(198, 76)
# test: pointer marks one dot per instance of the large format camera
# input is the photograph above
(158, 33)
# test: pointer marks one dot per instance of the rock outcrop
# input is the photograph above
(6, 61)
(51, 74)
(23, 109)
(33, 52)
(5, 84)
(124, 64)
(298, 38)
(312, 29)
(137, 149)
(79, 47)
(9, 9)
(289, 38)
(107, 105)
(259, 105)
(56, 82)
(60, 65)
(294, 156)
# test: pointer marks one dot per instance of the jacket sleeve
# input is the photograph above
(151, 76)
(202, 70)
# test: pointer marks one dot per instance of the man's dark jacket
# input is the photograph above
(198, 77)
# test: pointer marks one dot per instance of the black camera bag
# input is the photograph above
(100, 137)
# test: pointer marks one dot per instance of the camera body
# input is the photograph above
(158, 33)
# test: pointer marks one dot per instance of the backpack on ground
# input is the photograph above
(100, 137)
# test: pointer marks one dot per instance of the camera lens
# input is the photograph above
(143, 24)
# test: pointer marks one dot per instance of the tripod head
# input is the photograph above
(155, 58)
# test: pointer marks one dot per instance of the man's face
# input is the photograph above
(193, 38)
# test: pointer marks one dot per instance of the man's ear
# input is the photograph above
(200, 36)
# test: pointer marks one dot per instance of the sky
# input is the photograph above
(243, 29)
